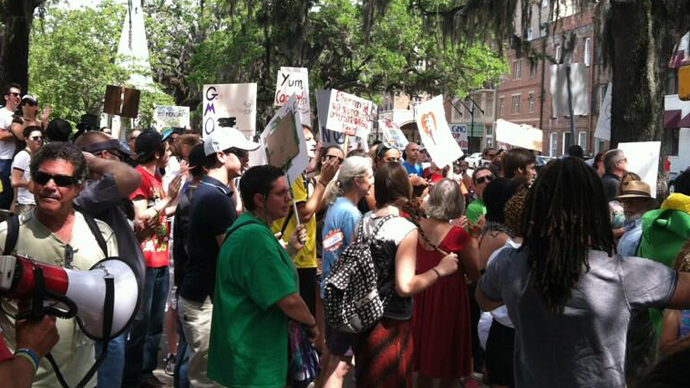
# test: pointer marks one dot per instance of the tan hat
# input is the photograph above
(636, 189)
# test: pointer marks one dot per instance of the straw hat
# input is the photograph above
(636, 189)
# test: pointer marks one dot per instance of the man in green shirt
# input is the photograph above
(480, 178)
(256, 290)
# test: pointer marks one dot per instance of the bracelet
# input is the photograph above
(310, 327)
(437, 273)
(29, 355)
(324, 184)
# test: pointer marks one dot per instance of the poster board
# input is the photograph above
(170, 117)
(350, 114)
(121, 101)
(435, 133)
(230, 100)
(392, 134)
(519, 135)
(333, 138)
(283, 140)
(603, 129)
(461, 136)
(643, 159)
(293, 80)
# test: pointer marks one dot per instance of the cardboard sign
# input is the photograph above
(230, 100)
(519, 135)
(350, 114)
(392, 134)
(331, 138)
(460, 134)
(603, 130)
(435, 133)
(643, 159)
(283, 140)
(293, 80)
(121, 101)
(170, 117)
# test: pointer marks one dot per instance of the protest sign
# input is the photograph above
(350, 114)
(643, 159)
(603, 129)
(460, 135)
(392, 134)
(519, 135)
(170, 117)
(283, 140)
(230, 101)
(435, 133)
(293, 80)
(121, 101)
(331, 138)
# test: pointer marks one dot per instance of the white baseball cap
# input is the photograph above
(223, 138)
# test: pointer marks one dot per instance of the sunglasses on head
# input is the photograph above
(487, 178)
(43, 178)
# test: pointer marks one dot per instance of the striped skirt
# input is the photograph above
(383, 355)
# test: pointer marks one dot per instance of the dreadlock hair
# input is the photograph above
(566, 215)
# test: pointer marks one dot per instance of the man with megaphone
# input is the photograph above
(55, 234)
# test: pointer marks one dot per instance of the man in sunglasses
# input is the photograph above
(12, 97)
(480, 178)
(55, 233)
(211, 213)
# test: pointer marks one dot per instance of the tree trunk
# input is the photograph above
(14, 48)
(642, 44)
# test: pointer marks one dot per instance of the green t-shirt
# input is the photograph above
(248, 345)
(475, 210)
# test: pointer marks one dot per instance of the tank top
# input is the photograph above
(684, 323)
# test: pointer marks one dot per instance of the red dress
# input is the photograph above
(441, 316)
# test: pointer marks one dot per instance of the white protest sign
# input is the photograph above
(230, 100)
(519, 135)
(392, 134)
(460, 135)
(435, 133)
(603, 129)
(350, 114)
(643, 159)
(333, 138)
(283, 140)
(293, 80)
(170, 117)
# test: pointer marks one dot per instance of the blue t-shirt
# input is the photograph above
(338, 227)
(413, 169)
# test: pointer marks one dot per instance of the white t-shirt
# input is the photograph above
(501, 313)
(6, 146)
(21, 162)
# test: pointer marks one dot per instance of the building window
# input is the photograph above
(542, 29)
(528, 33)
(588, 51)
(517, 69)
(582, 140)
(530, 100)
(671, 141)
(515, 108)
(567, 141)
(557, 54)
(489, 110)
(533, 69)
(553, 144)
(501, 105)
(672, 81)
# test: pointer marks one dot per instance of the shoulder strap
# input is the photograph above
(96, 231)
(379, 225)
(12, 234)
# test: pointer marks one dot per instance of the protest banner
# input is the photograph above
(121, 101)
(435, 133)
(331, 138)
(293, 80)
(350, 114)
(392, 134)
(238, 101)
(643, 159)
(170, 117)
(519, 135)
(460, 135)
(603, 129)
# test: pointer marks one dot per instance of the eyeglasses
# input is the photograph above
(487, 179)
(329, 157)
(103, 154)
(36, 138)
(14, 94)
(241, 154)
(43, 178)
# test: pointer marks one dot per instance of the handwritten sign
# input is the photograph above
(227, 101)
(350, 114)
(645, 162)
(435, 133)
(293, 80)
(392, 134)
(170, 116)
(284, 142)
(460, 135)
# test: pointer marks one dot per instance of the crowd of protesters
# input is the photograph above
(572, 275)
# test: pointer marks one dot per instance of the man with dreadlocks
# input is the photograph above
(568, 295)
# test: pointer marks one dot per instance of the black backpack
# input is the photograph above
(352, 300)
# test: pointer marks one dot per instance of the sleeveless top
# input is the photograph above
(684, 323)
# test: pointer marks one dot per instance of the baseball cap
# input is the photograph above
(197, 156)
(31, 98)
(148, 142)
(224, 138)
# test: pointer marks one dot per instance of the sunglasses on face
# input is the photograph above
(29, 103)
(241, 154)
(329, 157)
(43, 178)
(486, 179)
(14, 94)
(36, 138)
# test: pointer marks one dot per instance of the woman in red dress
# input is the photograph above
(441, 313)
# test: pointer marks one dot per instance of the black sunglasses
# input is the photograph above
(14, 94)
(483, 179)
(329, 157)
(36, 138)
(60, 180)
(241, 154)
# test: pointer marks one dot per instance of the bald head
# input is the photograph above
(412, 153)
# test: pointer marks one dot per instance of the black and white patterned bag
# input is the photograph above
(352, 302)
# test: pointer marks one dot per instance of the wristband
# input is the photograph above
(437, 273)
(324, 184)
(29, 355)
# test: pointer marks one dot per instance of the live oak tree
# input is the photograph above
(16, 19)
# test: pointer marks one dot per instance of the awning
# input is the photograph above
(671, 118)
(685, 123)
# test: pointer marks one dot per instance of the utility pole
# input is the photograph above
(471, 110)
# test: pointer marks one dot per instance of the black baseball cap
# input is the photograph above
(58, 130)
(148, 142)
(197, 156)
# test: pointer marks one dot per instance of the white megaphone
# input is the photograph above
(84, 293)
